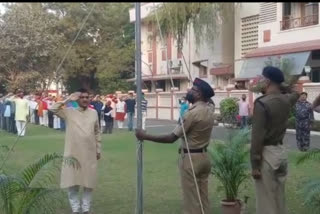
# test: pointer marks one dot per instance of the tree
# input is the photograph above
(204, 18)
(102, 56)
(37, 37)
(28, 43)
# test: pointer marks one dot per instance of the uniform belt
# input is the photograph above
(194, 150)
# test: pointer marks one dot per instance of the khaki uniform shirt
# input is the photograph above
(198, 123)
(270, 117)
(83, 142)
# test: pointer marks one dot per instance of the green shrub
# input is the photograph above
(311, 188)
(291, 123)
(229, 110)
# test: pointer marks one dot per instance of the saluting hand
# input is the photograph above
(140, 134)
(256, 174)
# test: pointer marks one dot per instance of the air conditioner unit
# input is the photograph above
(175, 64)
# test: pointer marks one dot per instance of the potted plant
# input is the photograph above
(230, 166)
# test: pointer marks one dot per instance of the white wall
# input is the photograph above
(165, 105)
(279, 37)
(242, 10)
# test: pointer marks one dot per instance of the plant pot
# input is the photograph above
(230, 207)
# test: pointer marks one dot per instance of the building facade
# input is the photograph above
(270, 31)
(164, 66)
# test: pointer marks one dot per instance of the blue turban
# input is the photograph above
(274, 74)
(204, 87)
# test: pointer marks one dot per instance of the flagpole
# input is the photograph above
(139, 114)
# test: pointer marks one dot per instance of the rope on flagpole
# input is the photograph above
(182, 123)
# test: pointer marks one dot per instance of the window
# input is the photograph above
(147, 85)
(286, 9)
(315, 55)
(179, 54)
(311, 8)
(203, 71)
(176, 84)
(150, 57)
(315, 75)
(161, 84)
(149, 42)
(150, 27)
(164, 56)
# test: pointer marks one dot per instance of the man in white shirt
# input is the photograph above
(244, 110)
(33, 107)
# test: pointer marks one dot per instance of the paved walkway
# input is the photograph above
(221, 133)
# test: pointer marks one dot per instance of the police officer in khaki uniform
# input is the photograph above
(197, 125)
(268, 155)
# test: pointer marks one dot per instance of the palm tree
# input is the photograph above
(28, 192)
(311, 189)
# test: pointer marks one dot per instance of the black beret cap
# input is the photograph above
(274, 74)
(204, 87)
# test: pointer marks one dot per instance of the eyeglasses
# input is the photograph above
(84, 97)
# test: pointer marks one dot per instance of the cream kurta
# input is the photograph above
(83, 142)
(22, 108)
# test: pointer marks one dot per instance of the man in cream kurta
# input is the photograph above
(83, 142)
(22, 112)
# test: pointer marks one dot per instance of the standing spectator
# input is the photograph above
(62, 122)
(49, 102)
(40, 109)
(184, 106)
(2, 108)
(91, 99)
(12, 124)
(45, 111)
(304, 119)
(56, 119)
(144, 106)
(32, 107)
(244, 109)
(21, 112)
(108, 117)
(7, 113)
(98, 105)
(120, 112)
(131, 104)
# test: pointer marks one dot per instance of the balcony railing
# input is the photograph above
(288, 23)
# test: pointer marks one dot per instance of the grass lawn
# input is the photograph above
(116, 190)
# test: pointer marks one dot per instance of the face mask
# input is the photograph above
(244, 99)
(190, 97)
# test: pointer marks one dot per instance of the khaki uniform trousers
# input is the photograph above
(270, 190)
(202, 168)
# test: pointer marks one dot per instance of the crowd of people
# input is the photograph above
(16, 109)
